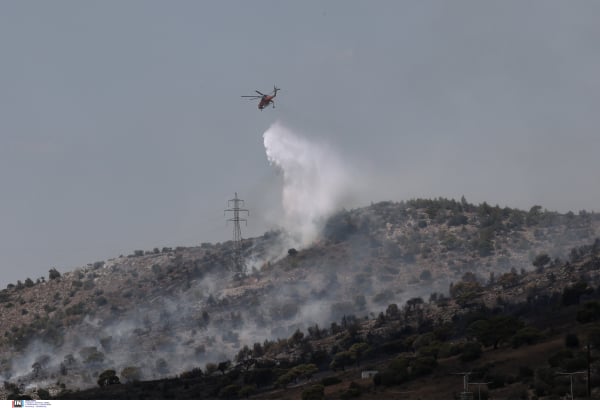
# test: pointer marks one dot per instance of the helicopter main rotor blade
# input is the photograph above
(251, 96)
(260, 93)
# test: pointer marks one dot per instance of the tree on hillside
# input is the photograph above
(358, 350)
(533, 216)
(243, 354)
(465, 293)
(341, 360)
(495, 330)
(108, 377)
(509, 279)
(571, 294)
(297, 337)
(392, 311)
(314, 332)
(53, 274)
(484, 244)
(314, 392)
(414, 303)
(302, 371)
(224, 366)
(540, 261)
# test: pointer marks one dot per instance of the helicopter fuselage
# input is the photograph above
(265, 101)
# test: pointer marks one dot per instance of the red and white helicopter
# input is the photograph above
(265, 100)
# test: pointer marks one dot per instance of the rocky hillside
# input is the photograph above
(513, 336)
(185, 308)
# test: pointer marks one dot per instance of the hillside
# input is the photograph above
(186, 309)
(512, 348)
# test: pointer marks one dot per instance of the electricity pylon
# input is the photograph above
(238, 262)
(571, 378)
(479, 384)
(466, 394)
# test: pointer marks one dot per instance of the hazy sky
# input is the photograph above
(121, 125)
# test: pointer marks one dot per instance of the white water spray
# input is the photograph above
(315, 181)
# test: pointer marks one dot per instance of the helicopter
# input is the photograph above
(265, 100)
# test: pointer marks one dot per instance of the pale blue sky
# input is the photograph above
(121, 125)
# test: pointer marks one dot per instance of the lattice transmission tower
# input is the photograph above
(235, 205)
(466, 394)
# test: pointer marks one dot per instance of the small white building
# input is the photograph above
(368, 374)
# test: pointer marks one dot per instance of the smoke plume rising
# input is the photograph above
(315, 181)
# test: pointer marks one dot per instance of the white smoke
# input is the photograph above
(315, 181)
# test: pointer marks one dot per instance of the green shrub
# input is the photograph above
(330, 381)
(108, 377)
(465, 293)
(314, 392)
(353, 392)
(53, 274)
(471, 351)
(571, 294)
(101, 301)
(247, 390)
(541, 260)
(431, 350)
(396, 373)
(230, 391)
(422, 366)
(193, 373)
(448, 350)
(76, 309)
(260, 376)
(49, 309)
(43, 394)
(457, 219)
(527, 335)
(342, 360)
